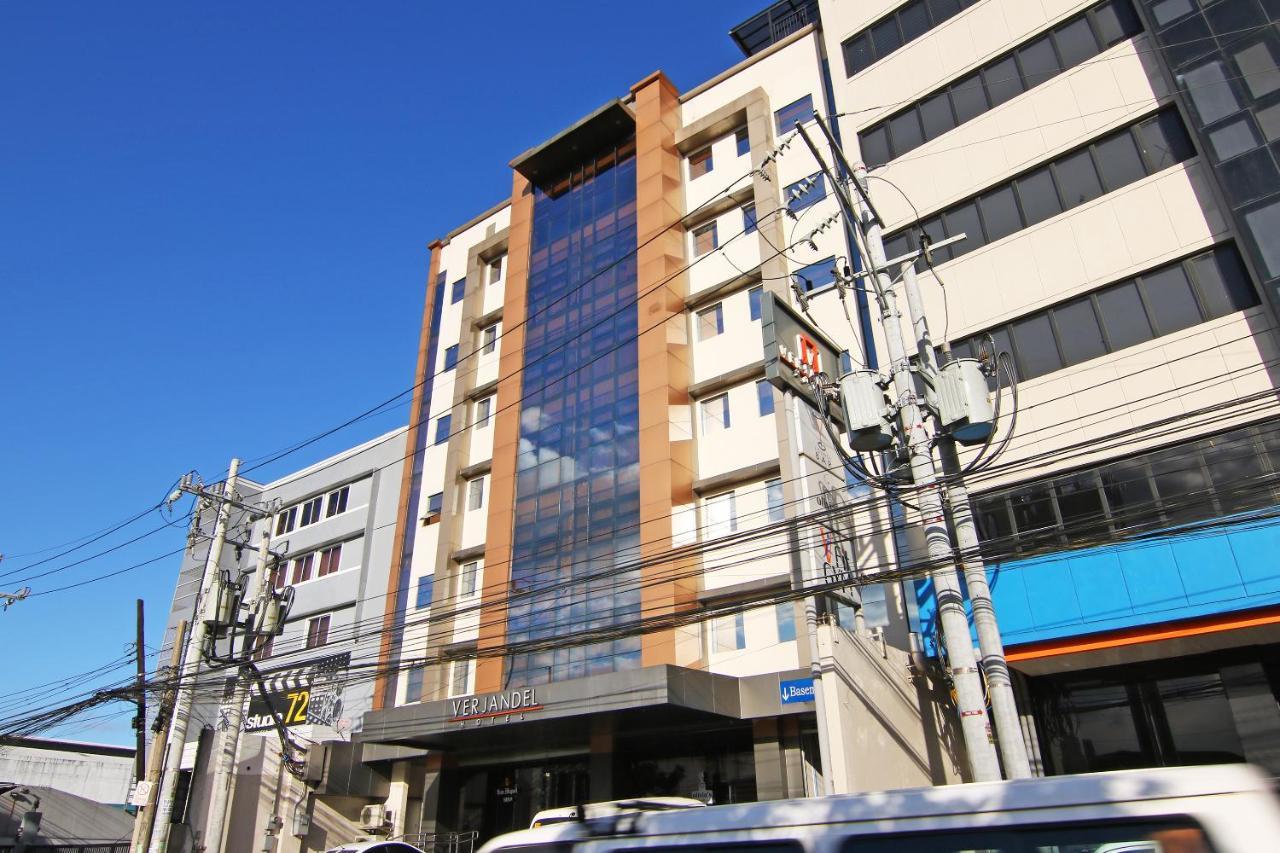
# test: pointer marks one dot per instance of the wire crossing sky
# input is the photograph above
(260, 180)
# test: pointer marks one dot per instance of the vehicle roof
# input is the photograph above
(358, 846)
(1021, 794)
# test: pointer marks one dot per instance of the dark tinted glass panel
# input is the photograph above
(1201, 726)
(1032, 511)
(1003, 80)
(886, 36)
(1039, 61)
(857, 54)
(1235, 465)
(1117, 21)
(935, 115)
(964, 220)
(943, 9)
(1164, 141)
(1128, 490)
(1075, 41)
(1223, 283)
(1169, 300)
(1077, 179)
(1180, 483)
(1039, 196)
(914, 18)
(1123, 316)
(1119, 160)
(993, 518)
(1037, 351)
(969, 98)
(904, 130)
(1078, 331)
(1077, 837)
(999, 213)
(1102, 734)
(897, 246)
(818, 275)
(1080, 501)
(875, 146)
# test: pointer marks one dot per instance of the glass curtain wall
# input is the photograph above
(577, 500)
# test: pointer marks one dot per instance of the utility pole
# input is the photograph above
(1004, 707)
(205, 607)
(146, 816)
(229, 737)
(983, 763)
(140, 722)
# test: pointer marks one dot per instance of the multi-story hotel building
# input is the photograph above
(594, 447)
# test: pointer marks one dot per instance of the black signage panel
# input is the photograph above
(306, 695)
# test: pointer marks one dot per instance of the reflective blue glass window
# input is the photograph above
(764, 396)
(817, 276)
(796, 111)
(806, 193)
(451, 357)
(424, 591)
(459, 290)
(786, 613)
(442, 428)
(748, 218)
(754, 297)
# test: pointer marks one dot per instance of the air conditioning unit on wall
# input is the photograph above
(375, 818)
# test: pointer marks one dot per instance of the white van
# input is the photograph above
(1221, 809)
(609, 808)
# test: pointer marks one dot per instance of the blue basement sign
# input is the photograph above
(797, 690)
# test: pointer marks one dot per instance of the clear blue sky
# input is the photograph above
(261, 178)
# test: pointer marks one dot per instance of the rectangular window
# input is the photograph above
(764, 397)
(337, 502)
(715, 414)
(730, 633)
(748, 218)
(458, 290)
(495, 269)
(318, 631)
(451, 357)
(704, 239)
(774, 500)
(806, 193)
(286, 521)
(423, 598)
(443, 425)
(489, 340)
(786, 615)
(329, 559)
(475, 493)
(1072, 179)
(311, 512)
(413, 684)
(461, 677)
(435, 503)
(266, 649)
(754, 297)
(816, 276)
(483, 409)
(468, 581)
(700, 163)
(721, 515)
(279, 573)
(743, 141)
(711, 322)
(302, 569)
(796, 111)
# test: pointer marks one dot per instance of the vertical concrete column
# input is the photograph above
(398, 796)
(771, 770)
(666, 447)
(406, 515)
(601, 761)
(506, 439)
(1253, 706)
(431, 793)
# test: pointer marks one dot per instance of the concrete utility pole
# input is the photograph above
(983, 763)
(229, 738)
(191, 666)
(146, 816)
(140, 722)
